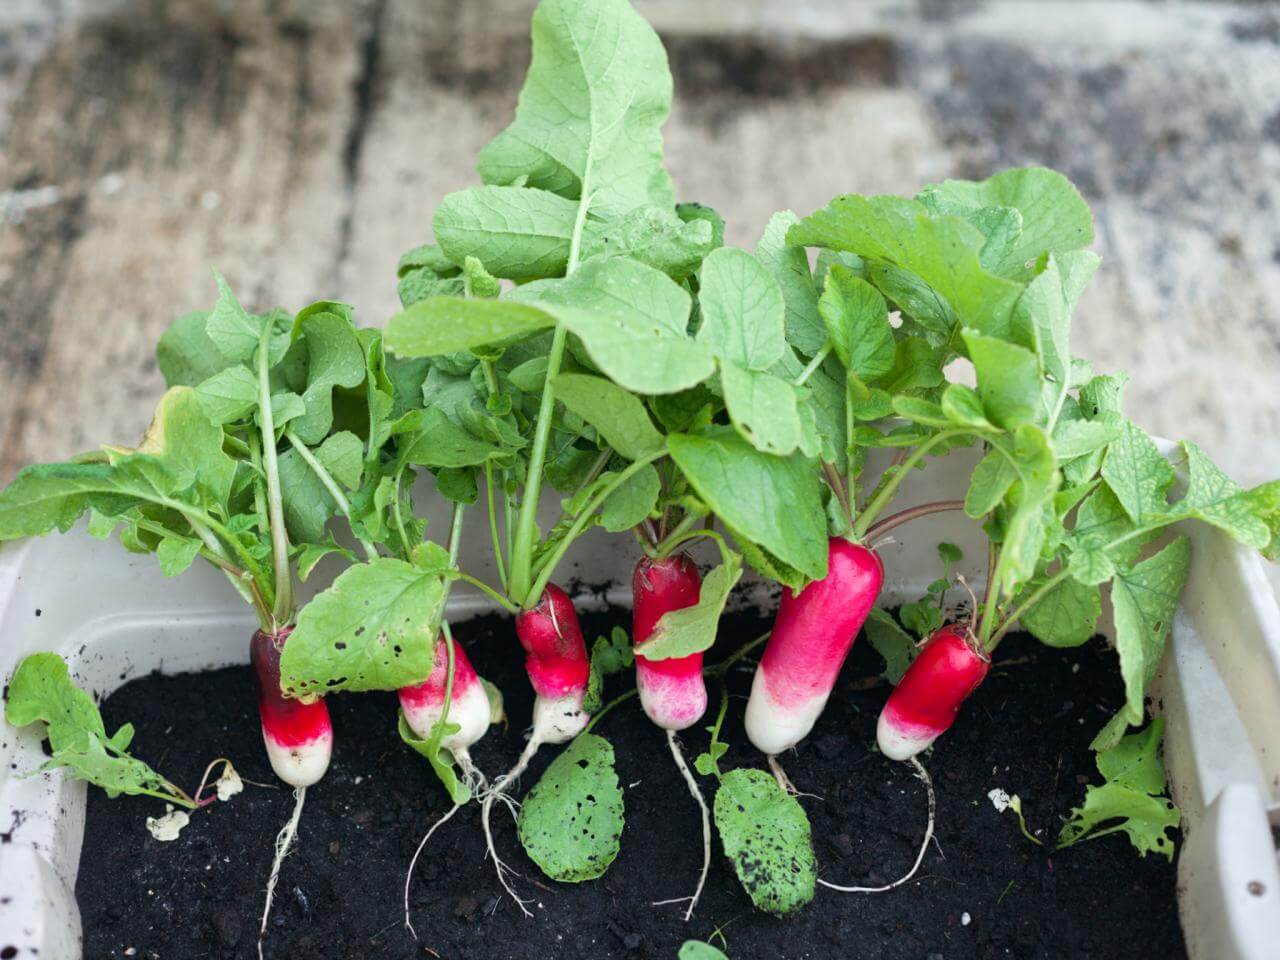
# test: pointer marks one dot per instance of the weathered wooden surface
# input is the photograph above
(300, 146)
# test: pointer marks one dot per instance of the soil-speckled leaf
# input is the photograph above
(766, 836)
(571, 822)
(374, 629)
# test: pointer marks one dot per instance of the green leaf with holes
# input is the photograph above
(375, 628)
(767, 838)
(571, 822)
(1131, 800)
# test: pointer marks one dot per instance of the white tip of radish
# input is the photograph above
(558, 719)
(470, 711)
(773, 727)
(300, 764)
(899, 741)
(671, 702)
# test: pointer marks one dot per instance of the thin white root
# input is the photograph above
(678, 756)
(284, 841)
(784, 781)
(924, 845)
(408, 877)
(499, 791)
(781, 775)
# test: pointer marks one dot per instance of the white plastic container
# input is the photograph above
(114, 617)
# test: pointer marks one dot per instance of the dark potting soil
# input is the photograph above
(983, 891)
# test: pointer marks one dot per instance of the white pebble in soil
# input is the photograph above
(965, 919)
(999, 799)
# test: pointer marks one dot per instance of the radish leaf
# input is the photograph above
(773, 502)
(1143, 598)
(679, 633)
(790, 267)
(437, 756)
(767, 837)
(443, 325)
(571, 822)
(632, 320)
(516, 232)
(1053, 217)
(374, 629)
(631, 502)
(654, 236)
(591, 109)
(697, 950)
(42, 690)
(857, 322)
(609, 655)
(894, 644)
(619, 415)
(1008, 379)
(763, 408)
(742, 310)
(1131, 798)
(1066, 616)
(942, 252)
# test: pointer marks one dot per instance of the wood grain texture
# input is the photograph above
(301, 147)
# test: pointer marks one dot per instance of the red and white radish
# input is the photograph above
(672, 692)
(423, 704)
(559, 670)
(926, 700)
(299, 741)
(921, 708)
(811, 637)
(558, 667)
(297, 733)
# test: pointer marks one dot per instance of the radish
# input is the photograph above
(812, 634)
(423, 704)
(926, 700)
(299, 741)
(559, 669)
(297, 734)
(921, 708)
(672, 692)
(453, 681)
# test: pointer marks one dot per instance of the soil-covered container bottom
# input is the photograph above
(983, 890)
